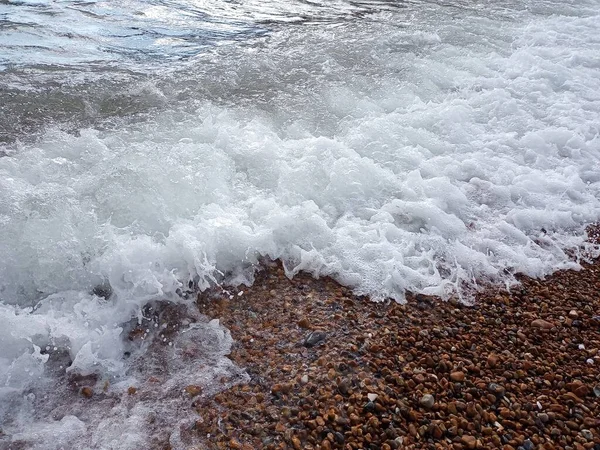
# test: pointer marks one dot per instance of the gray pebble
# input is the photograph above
(427, 401)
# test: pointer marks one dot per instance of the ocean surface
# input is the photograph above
(152, 148)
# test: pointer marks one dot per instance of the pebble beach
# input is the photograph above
(517, 369)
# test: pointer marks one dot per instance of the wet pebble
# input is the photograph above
(496, 389)
(427, 401)
(87, 392)
(314, 338)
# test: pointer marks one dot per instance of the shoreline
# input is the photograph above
(517, 369)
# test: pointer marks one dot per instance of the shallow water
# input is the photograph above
(159, 147)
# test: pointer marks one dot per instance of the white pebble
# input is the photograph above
(372, 397)
(590, 361)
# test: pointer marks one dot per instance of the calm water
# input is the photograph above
(149, 148)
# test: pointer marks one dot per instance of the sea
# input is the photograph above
(151, 149)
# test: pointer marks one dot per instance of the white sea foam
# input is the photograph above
(411, 151)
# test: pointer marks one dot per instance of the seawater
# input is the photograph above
(152, 148)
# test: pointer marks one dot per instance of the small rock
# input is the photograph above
(369, 407)
(581, 391)
(496, 389)
(412, 430)
(235, 444)
(103, 290)
(304, 323)
(457, 377)
(282, 388)
(193, 390)
(573, 314)
(344, 386)
(452, 408)
(468, 441)
(372, 397)
(543, 324)
(492, 360)
(587, 434)
(427, 401)
(87, 392)
(437, 432)
(132, 390)
(528, 445)
(296, 443)
(597, 390)
(572, 396)
(304, 379)
(314, 338)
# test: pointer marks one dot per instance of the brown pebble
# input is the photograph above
(304, 323)
(344, 386)
(581, 391)
(87, 392)
(296, 443)
(572, 396)
(492, 360)
(541, 323)
(283, 388)
(457, 377)
(235, 444)
(468, 441)
(131, 390)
